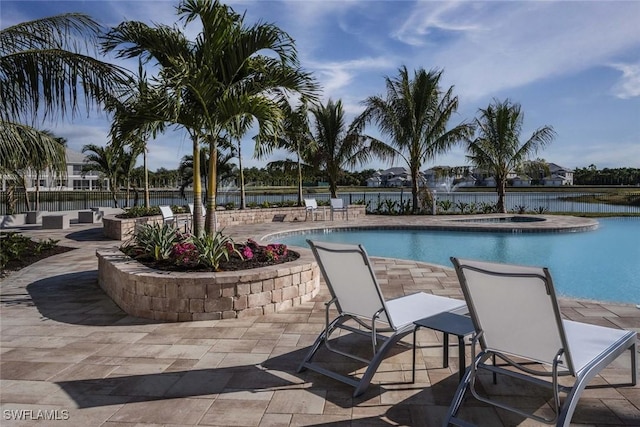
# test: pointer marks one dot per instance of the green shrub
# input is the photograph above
(140, 211)
(154, 240)
(14, 246)
(213, 249)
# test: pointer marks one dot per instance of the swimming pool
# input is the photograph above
(602, 265)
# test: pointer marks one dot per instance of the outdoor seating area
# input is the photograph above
(66, 346)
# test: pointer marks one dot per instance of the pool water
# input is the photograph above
(602, 265)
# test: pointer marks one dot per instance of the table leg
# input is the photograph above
(445, 350)
(413, 365)
(461, 357)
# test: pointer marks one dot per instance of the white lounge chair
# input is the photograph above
(311, 207)
(337, 205)
(356, 295)
(168, 217)
(516, 316)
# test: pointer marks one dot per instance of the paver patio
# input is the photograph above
(66, 348)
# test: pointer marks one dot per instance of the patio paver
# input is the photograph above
(65, 346)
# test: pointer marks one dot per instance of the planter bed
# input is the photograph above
(185, 296)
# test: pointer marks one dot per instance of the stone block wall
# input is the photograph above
(122, 229)
(176, 296)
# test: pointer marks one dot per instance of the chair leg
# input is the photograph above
(458, 397)
(373, 366)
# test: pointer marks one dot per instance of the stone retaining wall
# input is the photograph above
(122, 228)
(175, 296)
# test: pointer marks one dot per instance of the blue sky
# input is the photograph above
(573, 65)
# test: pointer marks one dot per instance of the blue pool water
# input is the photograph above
(602, 265)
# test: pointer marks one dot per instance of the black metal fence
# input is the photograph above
(449, 202)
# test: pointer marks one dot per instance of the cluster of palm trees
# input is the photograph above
(232, 79)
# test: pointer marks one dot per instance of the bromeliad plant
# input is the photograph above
(212, 249)
(167, 247)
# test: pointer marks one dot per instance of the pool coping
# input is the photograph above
(549, 224)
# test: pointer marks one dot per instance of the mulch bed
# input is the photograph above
(31, 256)
(234, 264)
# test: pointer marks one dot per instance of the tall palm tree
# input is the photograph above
(132, 124)
(229, 71)
(226, 169)
(44, 74)
(414, 115)
(497, 147)
(337, 147)
(296, 138)
(236, 129)
(106, 161)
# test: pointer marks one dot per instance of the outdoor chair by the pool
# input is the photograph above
(337, 205)
(168, 217)
(311, 208)
(356, 295)
(517, 320)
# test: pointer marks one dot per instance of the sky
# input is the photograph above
(572, 65)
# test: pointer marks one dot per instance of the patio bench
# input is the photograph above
(89, 217)
(58, 222)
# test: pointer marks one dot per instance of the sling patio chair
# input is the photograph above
(168, 217)
(517, 320)
(311, 207)
(337, 205)
(356, 295)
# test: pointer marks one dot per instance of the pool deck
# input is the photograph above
(66, 347)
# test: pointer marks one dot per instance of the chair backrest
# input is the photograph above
(350, 279)
(516, 309)
(192, 209)
(337, 204)
(166, 212)
(310, 203)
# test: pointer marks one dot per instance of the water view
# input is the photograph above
(602, 265)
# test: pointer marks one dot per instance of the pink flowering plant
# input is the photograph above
(186, 254)
(165, 248)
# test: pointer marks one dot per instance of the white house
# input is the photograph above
(565, 174)
(554, 181)
(394, 177)
(74, 179)
(521, 181)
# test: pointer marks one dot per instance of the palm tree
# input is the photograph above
(132, 124)
(107, 161)
(337, 147)
(497, 148)
(295, 138)
(414, 116)
(236, 129)
(226, 169)
(230, 71)
(43, 73)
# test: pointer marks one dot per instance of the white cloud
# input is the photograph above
(502, 45)
(429, 17)
(629, 84)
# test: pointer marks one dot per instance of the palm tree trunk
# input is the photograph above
(242, 198)
(501, 187)
(299, 182)
(128, 181)
(27, 199)
(147, 202)
(113, 186)
(414, 190)
(210, 225)
(37, 191)
(197, 189)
